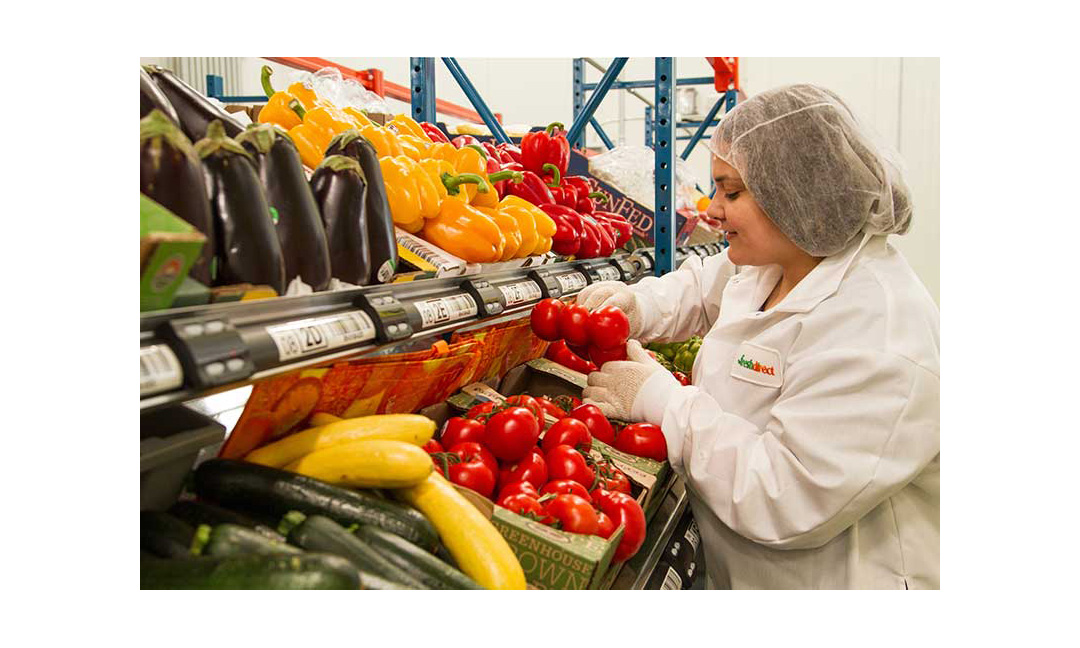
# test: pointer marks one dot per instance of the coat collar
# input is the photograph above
(822, 282)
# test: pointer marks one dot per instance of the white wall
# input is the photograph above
(897, 97)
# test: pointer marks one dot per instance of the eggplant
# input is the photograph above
(248, 249)
(340, 189)
(194, 110)
(299, 225)
(382, 243)
(170, 173)
(151, 97)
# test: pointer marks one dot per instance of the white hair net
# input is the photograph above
(812, 168)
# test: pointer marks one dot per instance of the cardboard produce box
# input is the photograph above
(168, 246)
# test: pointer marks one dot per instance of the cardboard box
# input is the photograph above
(168, 246)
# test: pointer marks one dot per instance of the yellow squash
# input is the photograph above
(407, 428)
(474, 542)
(367, 464)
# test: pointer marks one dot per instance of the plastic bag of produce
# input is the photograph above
(630, 169)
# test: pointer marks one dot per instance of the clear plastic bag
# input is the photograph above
(630, 169)
(329, 84)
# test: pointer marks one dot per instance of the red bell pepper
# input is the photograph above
(568, 228)
(503, 178)
(621, 225)
(606, 241)
(581, 184)
(532, 189)
(510, 152)
(563, 194)
(492, 152)
(435, 133)
(544, 147)
(462, 141)
(587, 204)
(590, 240)
(559, 352)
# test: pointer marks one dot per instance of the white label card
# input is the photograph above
(305, 337)
(572, 282)
(608, 273)
(445, 309)
(758, 365)
(521, 292)
(159, 370)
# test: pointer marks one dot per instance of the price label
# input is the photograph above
(445, 309)
(672, 580)
(608, 273)
(572, 282)
(305, 337)
(521, 292)
(159, 370)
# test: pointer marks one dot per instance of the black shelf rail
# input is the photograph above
(194, 352)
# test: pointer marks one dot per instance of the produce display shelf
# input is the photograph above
(202, 350)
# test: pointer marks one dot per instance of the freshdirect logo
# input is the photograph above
(756, 366)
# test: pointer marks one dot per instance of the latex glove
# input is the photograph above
(613, 293)
(616, 386)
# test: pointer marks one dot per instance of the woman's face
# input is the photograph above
(753, 238)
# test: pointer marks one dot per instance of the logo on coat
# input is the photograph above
(752, 365)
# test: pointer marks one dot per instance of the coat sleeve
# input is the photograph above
(685, 302)
(849, 429)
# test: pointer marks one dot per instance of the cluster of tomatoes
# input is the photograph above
(582, 340)
(493, 450)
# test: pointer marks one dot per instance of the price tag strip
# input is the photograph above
(521, 292)
(572, 282)
(306, 337)
(159, 370)
(445, 309)
(608, 273)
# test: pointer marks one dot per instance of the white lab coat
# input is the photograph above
(809, 439)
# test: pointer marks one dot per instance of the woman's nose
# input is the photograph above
(715, 210)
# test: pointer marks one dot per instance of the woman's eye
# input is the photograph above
(732, 196)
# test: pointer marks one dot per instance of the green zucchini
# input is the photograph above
(321, 534)
(275, 571)
(413, 560)
(235, 540)
(370, 581)
(274, 492)
(165, 535)
(196, 513)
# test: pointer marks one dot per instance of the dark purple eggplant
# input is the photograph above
(299, 225)
(248, 249)
(194, 110)
(170, 173)
(382, 244)
(151, 97)
(340, 189)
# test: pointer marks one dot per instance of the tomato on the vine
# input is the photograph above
(459, 430)
(608, 328)
(526, 505)
(561, 486)
(550, 408)
(531, 468)
(567, 431)
(545, 319)
(600, 356)
(511, 433)
(623, 510)
(643, 440)
(432, 446)
(474, 468)
(564, 462)
(573, 324)
(479, 410)
(517, 487)
(598, 424)
(529, 403)
(611, 478)
(605, 526)
(572, 513)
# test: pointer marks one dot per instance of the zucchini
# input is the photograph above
(418, 563)
(234, 540)
(274, 492)
(165, 535)
(370, 581)
(321, 534)
(276, 571)
(197, 513)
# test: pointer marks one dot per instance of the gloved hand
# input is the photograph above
(612, 293)
(617, 385)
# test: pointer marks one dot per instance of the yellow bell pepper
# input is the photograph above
(278, 109)
(320, 125)
(446, 179)
(358, 116)
(410, 191)
(385, 142)
(522, 209)
(526, 225)
(406, 125)
(443, 151)
(508, 227)
(465, 232)
(414, 147)
(471, 159)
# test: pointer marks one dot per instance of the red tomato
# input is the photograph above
(459, 430)
(643, 440)
(623, 510)
(560, 353)
(572, 513)
(561, 486)
(608, 328)
(526, 505)
(531, 469)
(597, 423)
(573, 324)
(433, 446)
(479, 410)
(529, 403)
(567, 431)
(605, 526)
(516, 488)
(681, 377)
(475, 468)
(600, 356)
(550, 408)
(511, 433)
(545, 319)
(564, 462)
(611, 478)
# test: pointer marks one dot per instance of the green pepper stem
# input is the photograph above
(267, 88)
(505, 174)
(555, 175)
(596, 195)
(290, 521)
(478, 148)
(452, 182)
(552, 126)
(297, 108)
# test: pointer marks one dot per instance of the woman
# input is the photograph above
(809, 439)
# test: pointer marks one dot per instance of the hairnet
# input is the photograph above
(812, 169)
